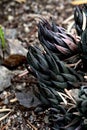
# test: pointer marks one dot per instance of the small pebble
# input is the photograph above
(10, 18)
(26, 29)
(6, 101)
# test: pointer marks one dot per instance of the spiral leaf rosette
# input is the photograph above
(57, 40)
(83, 49)
(80, 18)
(52, 74)
(82, 101)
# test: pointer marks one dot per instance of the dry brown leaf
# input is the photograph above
(79, 2)
(13, 61)
(20, 1)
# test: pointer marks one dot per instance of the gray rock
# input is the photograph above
(12, 45)
(74, 93)
(10, 33)
(16, 47)
(5, 78)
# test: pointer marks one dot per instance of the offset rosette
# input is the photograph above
(80, 17)
(52, 74)
(83, 49)
(57, 40)
(82, 101)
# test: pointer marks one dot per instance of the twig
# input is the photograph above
(68, 104)
(4, 127)
(68, 93)
(64, 100)
(13, 100)
(64, 95)
(24, 73)
(84, 22)
(5, 110)
(85, 77)
(74, 65)
(29, 124)
(71, 108)
(2, 118)
(68, 19)
(76, 113)
(70, 26)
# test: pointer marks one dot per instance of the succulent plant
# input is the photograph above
(82, 101)
(57, 40)
(83, 49)
(82, 105)
(52, 74)
(80, 17)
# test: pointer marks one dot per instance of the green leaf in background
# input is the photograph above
(2, 38)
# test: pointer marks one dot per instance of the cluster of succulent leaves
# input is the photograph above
(83, 49)
(54, 76)
(60, 119)
(82, 105)
(80, 17)
(57, 40)
(82, 101)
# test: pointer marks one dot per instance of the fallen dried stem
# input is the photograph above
(30, 125)
(2, 118)
(68, 93)
(13, 100)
